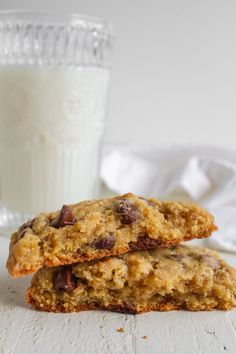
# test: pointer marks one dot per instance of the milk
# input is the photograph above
(51, 125)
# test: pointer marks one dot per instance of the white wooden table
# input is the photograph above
(26, 331)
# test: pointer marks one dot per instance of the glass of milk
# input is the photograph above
(54, 74)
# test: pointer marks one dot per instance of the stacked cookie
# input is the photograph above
(121, 254)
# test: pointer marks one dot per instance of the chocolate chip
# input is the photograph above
(127, 211)
(65, 217)
(64, 280)
(106, 243)
(22, 229)
(144, 242)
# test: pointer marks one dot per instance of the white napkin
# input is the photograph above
(205, 175)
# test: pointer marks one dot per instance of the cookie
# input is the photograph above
(95, 229)
(163, 279)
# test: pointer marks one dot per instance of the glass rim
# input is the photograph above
(69, 18)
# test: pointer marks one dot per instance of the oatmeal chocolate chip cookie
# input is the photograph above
(161, 279)
(94, 229)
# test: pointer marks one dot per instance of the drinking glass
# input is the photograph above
(54, 75)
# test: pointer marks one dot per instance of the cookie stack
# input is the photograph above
(121, 254)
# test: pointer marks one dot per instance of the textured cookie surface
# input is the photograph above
(94, 229)
(178, 277)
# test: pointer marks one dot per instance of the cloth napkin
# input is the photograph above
(202, 174)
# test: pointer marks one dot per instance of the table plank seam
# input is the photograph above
(19, 335)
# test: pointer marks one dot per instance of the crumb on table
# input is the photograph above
(120, 330)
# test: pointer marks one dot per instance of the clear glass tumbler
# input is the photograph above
(54, 74)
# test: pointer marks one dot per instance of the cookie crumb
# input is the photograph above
(120, 330)
(144, 337)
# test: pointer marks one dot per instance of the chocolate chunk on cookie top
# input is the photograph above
(65, 217)
(127, 212)
(99, 228)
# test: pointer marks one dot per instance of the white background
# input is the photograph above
(174, 67)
